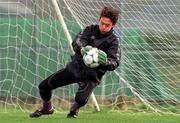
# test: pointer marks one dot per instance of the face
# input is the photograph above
(105, 25)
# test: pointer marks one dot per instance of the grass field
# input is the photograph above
(17, 116)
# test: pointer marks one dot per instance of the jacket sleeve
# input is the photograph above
(81, 40)
(114, 56)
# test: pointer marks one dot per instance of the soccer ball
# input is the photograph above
(91, 58)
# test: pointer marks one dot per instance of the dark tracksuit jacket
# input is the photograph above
(107, 42)
(77, 72)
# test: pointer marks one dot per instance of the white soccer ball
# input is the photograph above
(91, 58)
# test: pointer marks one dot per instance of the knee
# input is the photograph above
(44, 87)
(80, 100)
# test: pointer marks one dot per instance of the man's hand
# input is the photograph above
(102, 57)
(85, 49)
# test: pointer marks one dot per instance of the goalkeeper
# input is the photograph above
(100, 36)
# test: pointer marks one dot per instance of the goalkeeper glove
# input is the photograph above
(85, 49)
(102, 57)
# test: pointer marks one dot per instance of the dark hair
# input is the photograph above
(110, 13)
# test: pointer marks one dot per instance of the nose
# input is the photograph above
(103, 27)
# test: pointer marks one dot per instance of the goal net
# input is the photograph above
(33, 46)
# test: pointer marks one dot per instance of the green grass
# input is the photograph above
(17, 116)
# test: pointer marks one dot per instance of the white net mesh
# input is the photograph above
(33, 46)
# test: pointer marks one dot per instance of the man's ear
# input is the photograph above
(99, 18)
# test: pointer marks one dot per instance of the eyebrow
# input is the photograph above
(105, 23)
